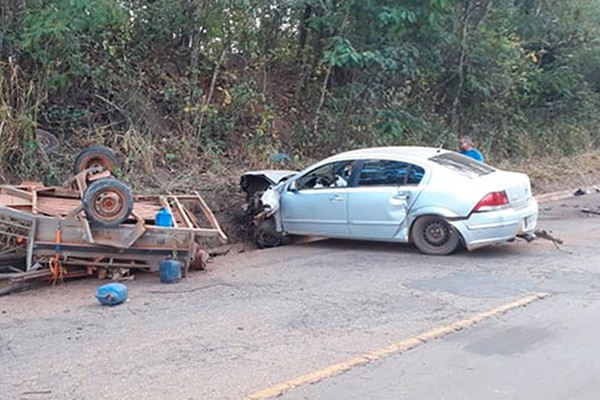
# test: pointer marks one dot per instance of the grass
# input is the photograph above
(553, 173)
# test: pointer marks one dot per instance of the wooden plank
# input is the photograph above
(55, 206)
(211, 217)
(8, 200)
(34, 209)
(81, 183)
(60, 192)
(99, 175)
(193, 218)
(187, 221)
(30, 185)
(86, 228)
(138, 231)
(61, 207)
(13, 191)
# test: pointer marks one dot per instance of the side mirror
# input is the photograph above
(293, 187)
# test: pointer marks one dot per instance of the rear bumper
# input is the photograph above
(482, 229)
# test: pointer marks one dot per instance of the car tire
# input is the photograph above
(95, 156)
(266, 235)
(434, 235)
(107, 202)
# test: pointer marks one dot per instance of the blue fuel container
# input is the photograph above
(170, 271)
(111, 294)
(164, 217)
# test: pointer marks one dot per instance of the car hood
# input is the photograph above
(272, 176)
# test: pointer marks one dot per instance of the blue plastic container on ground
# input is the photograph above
(170, 271)
(112, 294)
(164, 217)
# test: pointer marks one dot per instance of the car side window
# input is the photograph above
(415, 174)
(332, 175)
(389, 173)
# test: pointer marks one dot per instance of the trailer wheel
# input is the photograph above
(95, 156)
(46, 142)
(107, 202)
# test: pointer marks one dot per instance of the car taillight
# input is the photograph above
(492, 201)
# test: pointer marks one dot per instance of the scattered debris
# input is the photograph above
(543, 234)
(527, 237)
(111, 294)
(588, 211)
(93, 224)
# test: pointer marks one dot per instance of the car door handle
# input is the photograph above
(400, 196)
(399, 200)
(336, 198)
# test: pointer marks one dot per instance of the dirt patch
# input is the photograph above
(584, 206)
(559, 173)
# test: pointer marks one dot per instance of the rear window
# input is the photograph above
(462, 164)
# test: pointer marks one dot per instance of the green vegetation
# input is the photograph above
(182, 85)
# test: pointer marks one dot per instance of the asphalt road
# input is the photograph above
(545, 351)
(259, 319)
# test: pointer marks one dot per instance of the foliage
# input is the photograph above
(171, 81)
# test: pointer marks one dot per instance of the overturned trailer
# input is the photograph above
(93, 224)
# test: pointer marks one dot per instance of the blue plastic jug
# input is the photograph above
(164, 217)
(112, 294)
(170, 271)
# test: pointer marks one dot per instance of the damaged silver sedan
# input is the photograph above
(434, 198)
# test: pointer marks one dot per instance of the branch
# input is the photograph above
(211, 90)
(322, 99)
(116, 107)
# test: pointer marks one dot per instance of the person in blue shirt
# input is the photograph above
(466, 148)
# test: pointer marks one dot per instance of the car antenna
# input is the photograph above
(441, 145)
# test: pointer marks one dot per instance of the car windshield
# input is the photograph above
(462, 164)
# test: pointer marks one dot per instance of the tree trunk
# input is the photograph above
(454, 113)
(321, 100)
(211, 90)
(304, 29)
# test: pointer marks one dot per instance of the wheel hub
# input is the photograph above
(108, 204)
(436, 233)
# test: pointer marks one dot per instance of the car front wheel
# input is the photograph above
(434, 235)
(266, 235)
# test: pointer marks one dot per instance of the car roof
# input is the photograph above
(413, 152)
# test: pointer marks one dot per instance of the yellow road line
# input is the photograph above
(402, 346)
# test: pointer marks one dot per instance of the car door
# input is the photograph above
(380, 201)
(317, 202)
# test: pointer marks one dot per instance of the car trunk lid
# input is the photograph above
(516, 186)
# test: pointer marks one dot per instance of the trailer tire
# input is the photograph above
(95, 156)
(46, 142)
(107, 202)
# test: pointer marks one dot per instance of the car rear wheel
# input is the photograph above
(266, 236)
(434, 235)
